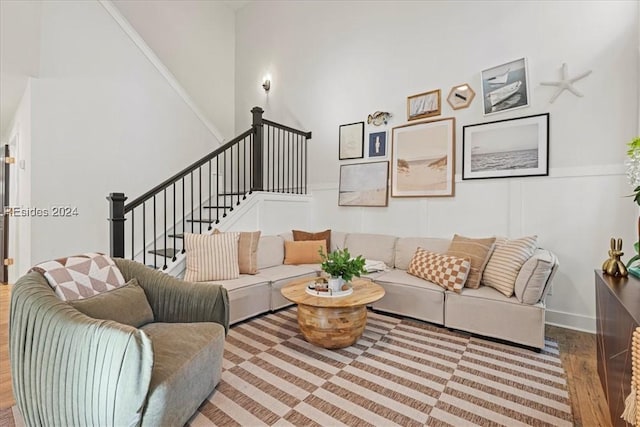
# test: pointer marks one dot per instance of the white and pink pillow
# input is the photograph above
(81, 276)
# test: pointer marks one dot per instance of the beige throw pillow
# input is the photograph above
(247, 251)
(534, 276)
(506, 261)
(211, 256)
(304, 252)
(477, 251)
(447, 271)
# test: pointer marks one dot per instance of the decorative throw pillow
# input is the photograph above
(247, 251)
(534, 276)
(477, 251)
(81, 276)
(448, 271)
(304, 252)
(506, 261)
(211, 256)
(299, 235)
(127, 305)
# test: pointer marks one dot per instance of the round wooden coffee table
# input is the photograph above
(334, 322)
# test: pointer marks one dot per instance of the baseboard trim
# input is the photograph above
(577, 322)
(157, 63)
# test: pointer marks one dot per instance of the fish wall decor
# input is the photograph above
(378, 118)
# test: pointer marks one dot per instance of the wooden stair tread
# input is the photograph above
(167, 253)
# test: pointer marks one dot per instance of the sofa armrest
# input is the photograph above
(176, 301)
(70, 369)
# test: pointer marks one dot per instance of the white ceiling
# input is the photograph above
(19, 54)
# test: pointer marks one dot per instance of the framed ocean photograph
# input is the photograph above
(505, 87)
(423, 105)
(423, 159)
(364, 184)
(378, 144)
(351, 141)
(506, 148)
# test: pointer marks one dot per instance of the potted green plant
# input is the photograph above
(633, 173)
(341, 267)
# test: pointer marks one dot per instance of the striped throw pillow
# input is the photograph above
(477, 251)
(211, 256)
(505, 263)
(447, 271)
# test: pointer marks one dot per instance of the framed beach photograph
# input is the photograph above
(364, 184)
(351, 141)
(378, 144)
(423, 105)
(506, 148)
(423, 159)
(505, 87)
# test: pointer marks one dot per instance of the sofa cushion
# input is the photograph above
(247, 251)
(445, 270)
(475, 250)
(506, 261)
(372, 246)
(127, 305)
(299, 235)
(402, 277)
(187, 365)
(337, 240)
(81, 276)
(280, 272)
(406, 248)
(304, 252)
(534, 276)
(270, 251)
(242, 281)
(486, 311)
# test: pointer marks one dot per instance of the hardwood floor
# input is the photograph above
(577, 350)
(6, 395)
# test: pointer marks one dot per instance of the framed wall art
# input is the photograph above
(506, 148)
(423, 159)
(505, 87)
(378, 144)
(364, 184)
(423, 105)
(351, 141)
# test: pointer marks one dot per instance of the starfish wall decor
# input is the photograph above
(566, 83)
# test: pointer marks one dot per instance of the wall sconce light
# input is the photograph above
(266, 85)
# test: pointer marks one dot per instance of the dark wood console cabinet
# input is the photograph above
(617, 315)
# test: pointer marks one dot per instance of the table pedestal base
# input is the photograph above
(332, 327)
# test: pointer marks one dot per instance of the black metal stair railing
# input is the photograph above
(150, 229)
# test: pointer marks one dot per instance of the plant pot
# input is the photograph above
(335, 284)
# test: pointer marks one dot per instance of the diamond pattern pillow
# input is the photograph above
(81, 276)
(448, 271)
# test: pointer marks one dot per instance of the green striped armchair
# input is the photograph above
(69, 369)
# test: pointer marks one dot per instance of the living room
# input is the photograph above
(96, 107)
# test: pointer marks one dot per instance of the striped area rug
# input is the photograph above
(400, 372)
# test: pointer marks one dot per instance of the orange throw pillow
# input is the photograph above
(299, 235)
(304, 252)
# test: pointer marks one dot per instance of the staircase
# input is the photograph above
(268, 157)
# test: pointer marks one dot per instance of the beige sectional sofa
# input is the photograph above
(483, 311)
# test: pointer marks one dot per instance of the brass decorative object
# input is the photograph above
(613, 266)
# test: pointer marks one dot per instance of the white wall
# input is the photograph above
(195, 40)
(103, 120)
(335, 62)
